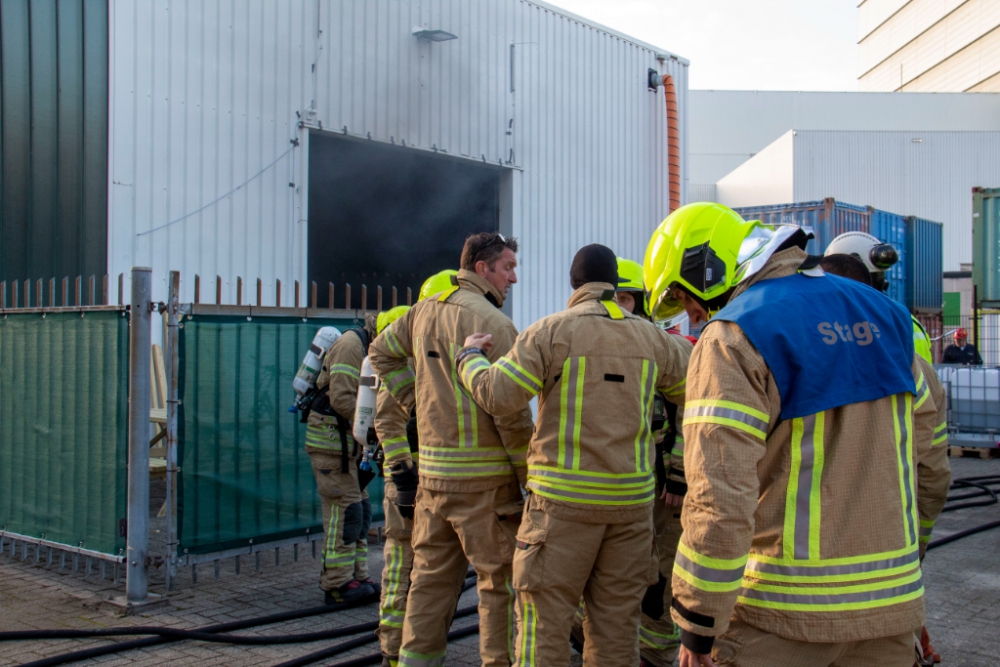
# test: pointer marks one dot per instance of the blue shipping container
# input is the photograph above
(891, 228)
(828, 219)
(924, 288)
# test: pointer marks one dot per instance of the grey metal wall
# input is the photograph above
(53, 138)
(206, 98)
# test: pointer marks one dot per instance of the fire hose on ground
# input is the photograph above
(977, 487)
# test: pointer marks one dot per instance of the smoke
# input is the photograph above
(390, 216)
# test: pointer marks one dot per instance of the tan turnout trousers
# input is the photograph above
(398, 552)
(659, 639)
(743, 645)
(347, 515)
(450, 531)
(557, 562)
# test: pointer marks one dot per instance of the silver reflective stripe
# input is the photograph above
(528, 622)
(399, 379)
(708, 573)
(875, 566)
(393, 446)
(407, 659)
(464, 469)
(596, 480)
(571, 380)
(804, 492)
(726, 413)
(926, 531)
(445, 453)
(609, 499)
(646, 409)
(904, 459)
(532, 384)
(658, 640)
(833, 598)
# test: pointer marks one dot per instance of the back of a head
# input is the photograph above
(485, 247)
(847, 266)
(594, 263)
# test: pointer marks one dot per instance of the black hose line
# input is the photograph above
(984, 490)
(980, 482)
(965, 533)
(343, 647)
(117, 647)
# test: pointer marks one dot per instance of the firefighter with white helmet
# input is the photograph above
(802, 434)
(878, 258)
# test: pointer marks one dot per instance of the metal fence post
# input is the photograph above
(172, 367)
(137, 542)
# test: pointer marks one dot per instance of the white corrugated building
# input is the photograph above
(924, 174)
(728, 127)
(239, 132)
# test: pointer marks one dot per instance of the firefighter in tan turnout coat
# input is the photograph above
(808, 417)
(469, 500)
(587, 529)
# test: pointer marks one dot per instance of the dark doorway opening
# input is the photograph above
(390, 216)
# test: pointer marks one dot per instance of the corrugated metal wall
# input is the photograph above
(986, 250)
(206, 96)
(53, 138)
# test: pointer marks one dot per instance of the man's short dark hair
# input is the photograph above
(485, 247)
(847, 266)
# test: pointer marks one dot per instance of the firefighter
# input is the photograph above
(468, 503)
(333, 452)
(877, 258)
(659, 636)
(807, 414)
(587, 529)
(397, 432)
(935, 470)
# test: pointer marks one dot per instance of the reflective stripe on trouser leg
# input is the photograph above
(398, 555)
(527, 634)
(659, 639)
(340, 546)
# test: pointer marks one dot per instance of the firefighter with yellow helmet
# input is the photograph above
(397, 432)
(805, 403)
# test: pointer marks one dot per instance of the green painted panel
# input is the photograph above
(53, 139)
(952, 308)
(64, 427)
(245, 474)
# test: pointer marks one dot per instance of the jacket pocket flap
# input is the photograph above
(530, 535)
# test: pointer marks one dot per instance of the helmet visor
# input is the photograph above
(666, 307)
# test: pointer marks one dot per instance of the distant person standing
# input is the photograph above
(961, 351)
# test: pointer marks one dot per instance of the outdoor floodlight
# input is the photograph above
(433, 35)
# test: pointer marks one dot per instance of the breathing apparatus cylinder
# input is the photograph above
(364, 412)
(305, 378)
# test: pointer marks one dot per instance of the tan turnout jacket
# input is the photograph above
(806, 528)
(595, 370)
(462, 448)
(340, 374)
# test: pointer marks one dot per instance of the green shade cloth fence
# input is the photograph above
(64, 427)
(245, 475)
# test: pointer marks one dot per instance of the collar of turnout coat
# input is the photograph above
(591, 292)
(470, 280)
(781, 264)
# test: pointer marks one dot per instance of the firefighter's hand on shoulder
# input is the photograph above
(404, 476)
(688, 658)
(483, 341)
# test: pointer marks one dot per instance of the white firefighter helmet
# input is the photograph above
(878, 257)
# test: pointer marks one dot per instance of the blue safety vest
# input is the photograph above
(828, 341)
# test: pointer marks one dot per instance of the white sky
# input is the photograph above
(744, 44)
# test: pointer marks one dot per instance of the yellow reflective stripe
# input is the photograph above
(571, 412)
(713, 403)
(590, 496)
(594, 478)
(411, 659)
(838, 598)
(902, 417)
(676, 389)
(447, 293)
(803, 504)
(393, 447)
(322, 438)
(923, 392)
(519, 375)
(345, 369)
(815, 504)
(614, 310)
(511, 616)
(823, 574)
(709, 561)
(474, 367)
(396, 380)
(468, 428)
(643, 435)
(940, 435)
(714, 575)
(926, 530)
(395, 345)
(921, 381)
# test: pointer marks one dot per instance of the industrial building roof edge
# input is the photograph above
(603, 28)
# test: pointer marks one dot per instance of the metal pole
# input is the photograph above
(172, 366)
(137, 541)
(975, 315)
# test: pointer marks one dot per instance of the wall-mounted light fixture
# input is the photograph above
(653, 79)
(433, 35)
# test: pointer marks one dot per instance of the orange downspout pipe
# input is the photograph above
(673, 142)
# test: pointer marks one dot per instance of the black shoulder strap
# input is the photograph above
(363, 335)
(811, 262)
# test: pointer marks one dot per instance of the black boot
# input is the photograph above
(352, 591)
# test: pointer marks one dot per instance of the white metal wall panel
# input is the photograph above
(768, 178)
(926, 174)
(873, 13)
(205, 97)
(931, 49)
(911, 20)
(966, 70)
(728, 127)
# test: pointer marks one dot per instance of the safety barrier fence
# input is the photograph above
(64, 379)
(236, 455)
(983, 329)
